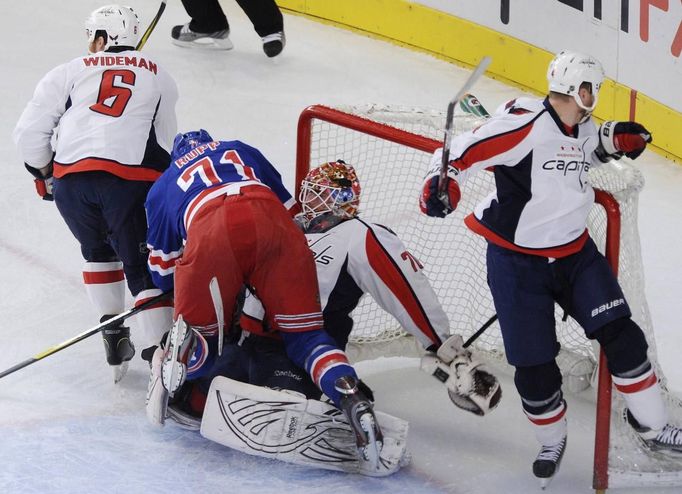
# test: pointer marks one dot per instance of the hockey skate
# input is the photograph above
(667, 440)
(118, 347)
(168, 370)
(547, 463)
(274, 43)
(216, 40)
(362, 420)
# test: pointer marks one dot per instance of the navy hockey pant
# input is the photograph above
(261, 361)
(525, 289)
(106, 215)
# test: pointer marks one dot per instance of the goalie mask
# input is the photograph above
(184, 143)
(120, 23)
(569, 70)
(330, 188)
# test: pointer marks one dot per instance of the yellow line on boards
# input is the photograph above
(463, 42)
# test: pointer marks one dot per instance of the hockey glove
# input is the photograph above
(433, 205)
(470, 386)
(43, 181)
(618, 138)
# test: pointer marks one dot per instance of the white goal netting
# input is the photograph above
(391, 169)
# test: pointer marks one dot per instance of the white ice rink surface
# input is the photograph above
(66, 428)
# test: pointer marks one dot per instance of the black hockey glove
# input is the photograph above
(622, 138)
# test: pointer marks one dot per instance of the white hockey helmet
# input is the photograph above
(119, 22)
(569, 70)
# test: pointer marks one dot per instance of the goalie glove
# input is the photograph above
(621, 138)
(43, 180)
(431, 204)
(470, 386)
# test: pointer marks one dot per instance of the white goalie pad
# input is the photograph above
(279, 425)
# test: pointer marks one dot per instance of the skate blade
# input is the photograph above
(544, 483)
(210, 44)
(120, 371)
(371, 451)
(156, 406)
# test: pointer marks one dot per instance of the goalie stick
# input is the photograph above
(151, 27)
(86, 334)
(475, 75)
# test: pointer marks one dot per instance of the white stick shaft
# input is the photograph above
(475, 75)
(219, 311)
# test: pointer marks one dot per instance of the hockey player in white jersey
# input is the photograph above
(354, 257)
(540, 252)
(115, 111)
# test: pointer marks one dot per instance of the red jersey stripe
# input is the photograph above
(486, 149)
(126, 172)
(163, 264)
(557, 252)
(384, 266)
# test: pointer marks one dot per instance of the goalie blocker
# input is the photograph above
(288, 427)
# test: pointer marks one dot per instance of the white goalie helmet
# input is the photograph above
(569, 70)
(119, 22)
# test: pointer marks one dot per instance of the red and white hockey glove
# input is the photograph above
(433, 205)
(42, 182)
(622, 138)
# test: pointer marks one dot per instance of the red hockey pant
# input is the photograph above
(248, 238)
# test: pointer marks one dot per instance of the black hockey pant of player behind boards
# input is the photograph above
(106, 215)
(207, 16)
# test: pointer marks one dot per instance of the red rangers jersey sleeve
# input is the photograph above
(115, 112)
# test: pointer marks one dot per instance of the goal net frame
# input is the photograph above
(362, 122)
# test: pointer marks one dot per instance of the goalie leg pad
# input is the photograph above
(280, 425)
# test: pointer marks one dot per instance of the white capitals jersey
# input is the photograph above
(354, 258)
(115, 112)
(543, 195)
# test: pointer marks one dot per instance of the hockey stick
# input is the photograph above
(219, 311)
(152, 25)
(475, 75)
(86, 334)
(470, 104)
(478, 333)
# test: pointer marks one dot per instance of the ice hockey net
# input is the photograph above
(390, 148)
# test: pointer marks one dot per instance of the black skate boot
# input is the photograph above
(667, 440)
(118, 347)
(546, 465)
(274, 43)
(216, 40)
(358, 409)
